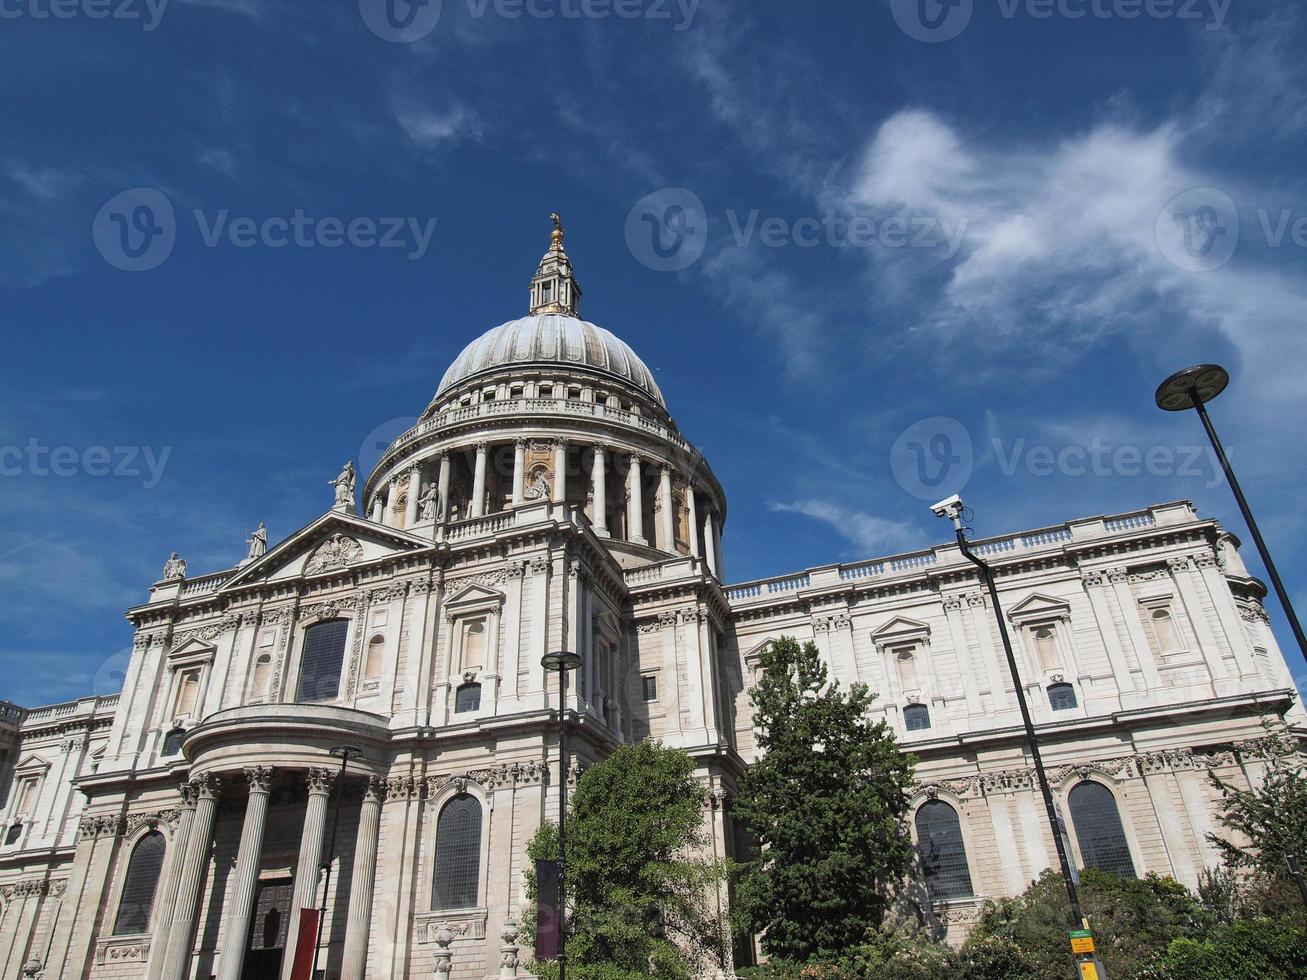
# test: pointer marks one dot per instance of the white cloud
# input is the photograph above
(873, 535)
(429, 127)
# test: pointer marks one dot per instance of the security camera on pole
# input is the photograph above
(1082, 939)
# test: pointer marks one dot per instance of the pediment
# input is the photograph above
(474, 596)
(31, 765)
(753, 655)
(901, 628)
(333, 542)
(193, 649)
(1037, 605)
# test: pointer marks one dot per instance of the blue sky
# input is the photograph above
(870, 217)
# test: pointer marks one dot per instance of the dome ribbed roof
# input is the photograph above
(551, 340)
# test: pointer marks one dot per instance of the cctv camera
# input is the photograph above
(950, 507)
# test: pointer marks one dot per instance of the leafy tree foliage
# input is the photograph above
(826, 803)
(1253, 949)
(1133, 920)
(1272, 816)
(641, 895)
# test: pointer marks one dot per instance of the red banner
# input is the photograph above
(305, 943)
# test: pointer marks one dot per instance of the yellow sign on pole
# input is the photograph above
(1083, 944)
(1088, 971)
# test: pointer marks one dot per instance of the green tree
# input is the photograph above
(826, 803)
(1133, 920)
(641, 894)
(1255, 949)
(1272, 816)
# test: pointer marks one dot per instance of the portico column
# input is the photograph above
(719, 559)
(247, 874)
(667, 522)
(355, 956)
(479, 482)
(308, 866)
(159, 947)
(377, 507)
(635, 504)
(181, 933)
(392, 495)
(414, 493)
(442, 488)
(519, 471)
(710, 542)
(599, 474)
(560, 471)
(692, 519)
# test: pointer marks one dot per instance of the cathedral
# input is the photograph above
(357, 719)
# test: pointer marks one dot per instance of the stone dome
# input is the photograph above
(552, 340)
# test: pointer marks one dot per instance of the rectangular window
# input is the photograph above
(650, 686)
(324, 656)
(26, 796)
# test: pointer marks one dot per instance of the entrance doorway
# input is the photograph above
(268, 930)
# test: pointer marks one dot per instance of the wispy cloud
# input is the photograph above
(429, 127)
(870, 534)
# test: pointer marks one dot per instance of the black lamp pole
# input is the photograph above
(561, 662)
(1193, 388)
(344, 751)
(1063, 860)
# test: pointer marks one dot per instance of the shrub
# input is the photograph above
(1253, 949)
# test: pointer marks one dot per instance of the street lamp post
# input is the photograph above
(344, 751)
(561, 662)
(952, 509)
(1193, 388)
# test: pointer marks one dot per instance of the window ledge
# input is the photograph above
(463, 923)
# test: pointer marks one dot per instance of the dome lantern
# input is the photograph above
(554, 288)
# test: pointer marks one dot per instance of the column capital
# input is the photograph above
(320, 781)
(207, 786)
(375, 790)
(481, 447)
(188, 796)
(558, 442)
(259, 777)
(521, 442)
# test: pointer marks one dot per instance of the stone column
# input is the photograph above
(479, 481)
(414, 494)
(635, 504)
(519, 471)
(442, 488)
(247, 874)
(599, 474)
(719, 559)
(560, 471)
(692, 520)
(308, 866)
(181, 932)
(710, 542)
(355, 956)
(171, 880)
(378, 507)
(667, 524)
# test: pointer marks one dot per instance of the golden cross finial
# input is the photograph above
(556, 236)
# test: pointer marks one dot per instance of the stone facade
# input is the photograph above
(544, 501)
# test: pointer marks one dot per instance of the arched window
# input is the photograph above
(458, 854)
(262, 678)
(172, 743)
(467, 698)
(372, 662)
(943, 853)
(138, 890)
(916, 717)
(1098, 830)
(324, 655)
(1046, 648)
(1061, 697)
(14, 832)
